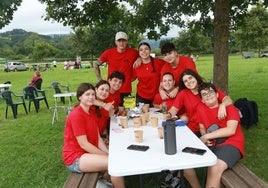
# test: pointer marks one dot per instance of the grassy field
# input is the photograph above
(31, 147)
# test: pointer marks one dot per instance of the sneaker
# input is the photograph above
(176, 182)
(167, 180)
(104, 184)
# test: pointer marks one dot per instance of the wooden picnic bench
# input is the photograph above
(83, 180)
(241, 176)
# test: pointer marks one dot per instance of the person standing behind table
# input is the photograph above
(120, 58)
(230, 149)
(83, 148)
(37, 76)
(176, 65)
(148, 75)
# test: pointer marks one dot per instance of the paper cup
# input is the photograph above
(138, 136)
(143, 120)
(160, 132)
(145, 108)
(154, 121)
(124, 122)
(137, 122)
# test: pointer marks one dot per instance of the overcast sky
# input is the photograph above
(29, 18)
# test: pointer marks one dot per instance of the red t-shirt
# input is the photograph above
(158, 100)
(187, 100)
(103, 120)
(114, 97)
(208, 116)
(184, 63)
(148, 81)
(78, 123)
(122, 62)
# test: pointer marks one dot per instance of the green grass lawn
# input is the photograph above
(31, 147)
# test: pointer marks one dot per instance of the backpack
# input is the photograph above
(248, 112)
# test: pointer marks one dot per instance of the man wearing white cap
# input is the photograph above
(120, 58)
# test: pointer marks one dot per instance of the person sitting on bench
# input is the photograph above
(224, 137)
(83, 149)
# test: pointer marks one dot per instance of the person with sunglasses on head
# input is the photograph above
(147, 74)
(120, 58)
(226, 140)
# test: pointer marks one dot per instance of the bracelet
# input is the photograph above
(103, 105)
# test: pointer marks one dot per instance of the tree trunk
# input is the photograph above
(221, 35)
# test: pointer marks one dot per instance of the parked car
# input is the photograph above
(15, 66)
(263, 54)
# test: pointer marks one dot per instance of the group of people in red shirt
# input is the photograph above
(172, 80)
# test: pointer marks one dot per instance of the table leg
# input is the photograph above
(55, 115)
(55, 112)
(182, 179)
(141, 180)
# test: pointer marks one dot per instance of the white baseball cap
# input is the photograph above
(121, 35)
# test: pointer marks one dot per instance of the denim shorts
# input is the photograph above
(75, 166)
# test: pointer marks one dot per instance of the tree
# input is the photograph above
(7, 9)
(253, 34)
(193, 41)
(42, 49)
(155, 18)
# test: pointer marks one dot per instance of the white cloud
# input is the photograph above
(29, 17)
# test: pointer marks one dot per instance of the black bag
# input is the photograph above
(215, 127)
(248, 112)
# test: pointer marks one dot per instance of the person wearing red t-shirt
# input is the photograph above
(147, 74)
(102, 89)
(107, 101)
(116, 80)
(168, 84)
(176, 65)
(120, 58)
(226, 141)
(83, 148)
(188, 98)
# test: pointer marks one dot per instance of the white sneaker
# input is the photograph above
(104, 184)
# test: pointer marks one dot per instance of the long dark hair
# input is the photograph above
(189, 72)
(101, 82)
(152, 59)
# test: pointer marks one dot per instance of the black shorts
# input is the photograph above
(227, 153)
(139, 99)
